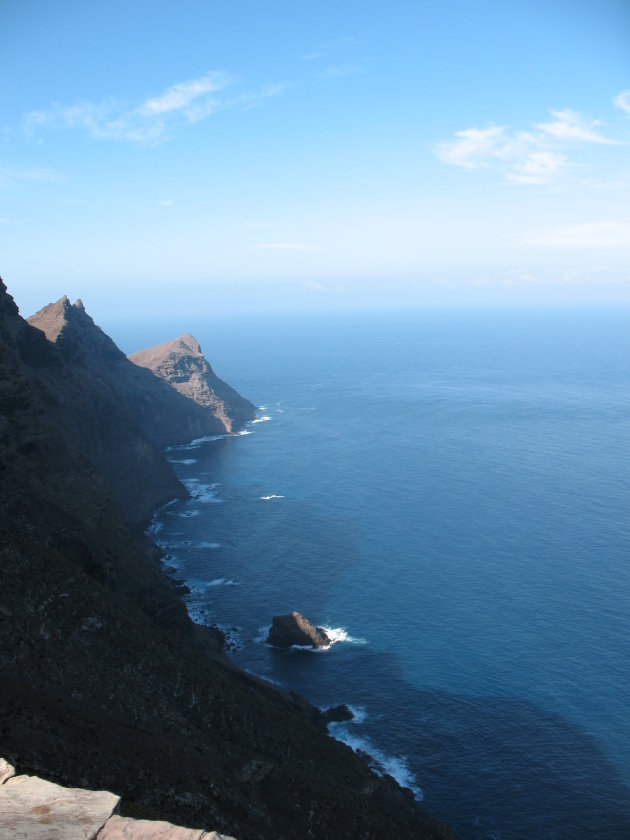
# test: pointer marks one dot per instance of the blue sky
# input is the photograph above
(240, 156)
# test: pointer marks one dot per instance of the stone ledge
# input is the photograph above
(34, 809)
(125, 828)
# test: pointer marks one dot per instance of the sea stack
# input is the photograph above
(294, 629)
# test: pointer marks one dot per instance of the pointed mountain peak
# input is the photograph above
(185, 345)
(181, 363)
(188, 344)
(7, 304)
(75, 333)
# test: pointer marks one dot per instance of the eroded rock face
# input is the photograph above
(294, 629)
(182, 365)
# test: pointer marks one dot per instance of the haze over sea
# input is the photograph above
(451, 490)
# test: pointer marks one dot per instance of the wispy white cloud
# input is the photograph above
(538, 167)
(255, 98)
(183, 95)
(609, 234)
(165, 202)
(153, 120)
(285, 246)
(335, 51)
(474, 147)
(568, 125)
(107, 120)
(537, 156)
(622, 100)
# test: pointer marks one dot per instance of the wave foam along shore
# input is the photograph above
(337, 635)
(222, 582)
(203, 493)
(205, 439)
(381, 763)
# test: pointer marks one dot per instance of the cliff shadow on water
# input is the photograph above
(554, 777)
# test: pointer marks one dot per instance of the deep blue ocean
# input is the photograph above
(449, 491)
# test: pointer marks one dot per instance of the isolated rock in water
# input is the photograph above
(294, 629)
(338, 714)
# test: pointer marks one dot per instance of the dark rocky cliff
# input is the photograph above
(104, 680)
(185, 400)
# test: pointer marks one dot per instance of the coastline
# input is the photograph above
(378, 762)
(106, 682)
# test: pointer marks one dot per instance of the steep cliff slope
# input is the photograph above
(181, 363)
(104, 680)
(167, 415)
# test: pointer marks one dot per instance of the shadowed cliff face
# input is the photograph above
(104, 680)
(90, 415)
(168, 415)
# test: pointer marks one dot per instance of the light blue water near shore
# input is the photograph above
(453, 491)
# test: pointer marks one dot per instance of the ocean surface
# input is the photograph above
(449, 492)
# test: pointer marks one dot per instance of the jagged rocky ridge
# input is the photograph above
(127, 415)
(104, 680)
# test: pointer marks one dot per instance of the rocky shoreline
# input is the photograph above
(105, 681)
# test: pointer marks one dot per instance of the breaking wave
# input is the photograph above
(339, 634)
(380, 762)
(222, 582)
(204, 493)
(205, 439)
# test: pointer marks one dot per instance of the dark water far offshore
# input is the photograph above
(452, 491)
